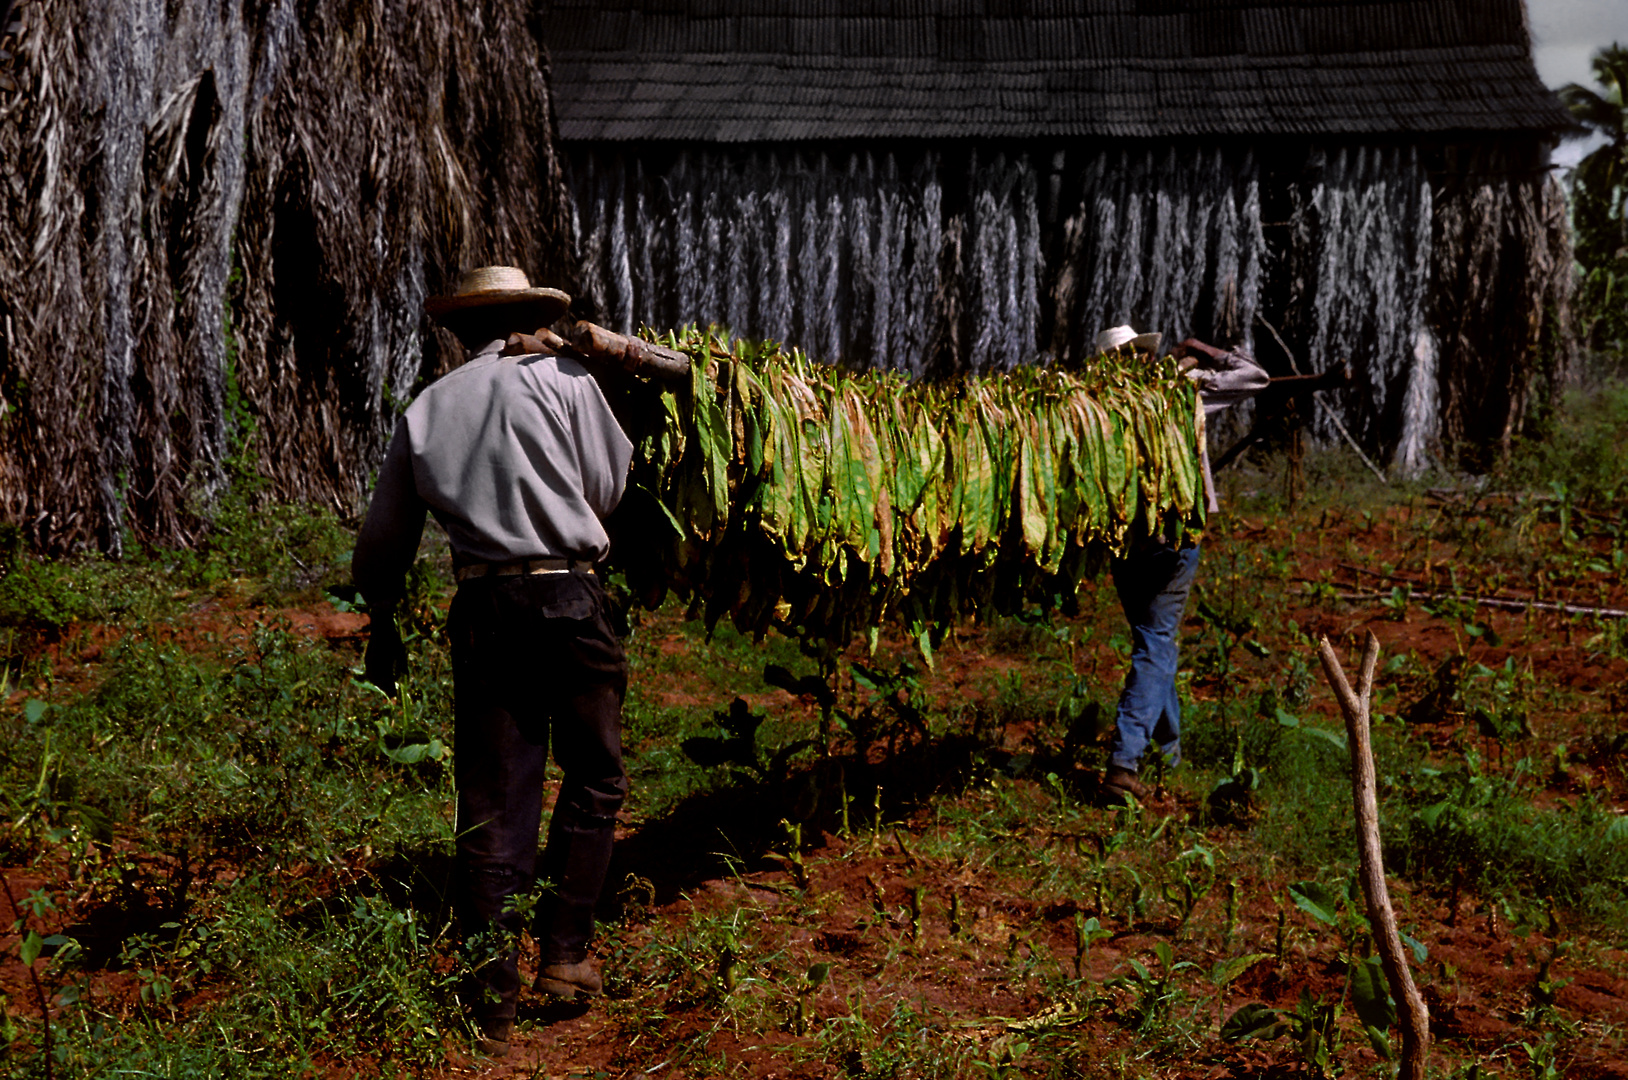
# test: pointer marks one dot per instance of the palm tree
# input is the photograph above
(1599, 195)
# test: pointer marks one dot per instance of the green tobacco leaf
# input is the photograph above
(1253, 1021)
(713, 432)
(1334, 739)
(1036, 490)
(924, 645)
(978, 497)
(1225, 971)
(29, 950)
(96, 822)
(849, 503)
(828, 502)
(1316, 900)
(1370, 995)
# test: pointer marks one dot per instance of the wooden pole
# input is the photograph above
(1415, 1017)
(604, 347)
(1500, 603)
(630, 353)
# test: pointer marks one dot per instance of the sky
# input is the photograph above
(1565, 36)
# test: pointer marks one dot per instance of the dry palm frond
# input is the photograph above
(218, 224)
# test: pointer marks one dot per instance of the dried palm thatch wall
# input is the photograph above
(218, 223)
(1503, 273)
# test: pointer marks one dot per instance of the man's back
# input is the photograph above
(518, 457)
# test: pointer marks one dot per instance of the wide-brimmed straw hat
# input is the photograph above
(495, 286)
(1117, 336)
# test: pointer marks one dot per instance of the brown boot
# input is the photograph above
(492, 1038)
(570, 981)
(1118, 783)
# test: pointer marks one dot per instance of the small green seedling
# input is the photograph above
(1087, 932)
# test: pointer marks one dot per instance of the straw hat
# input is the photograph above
(1113, 338)
(491, 286)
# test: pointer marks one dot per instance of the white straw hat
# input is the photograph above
(490, 286)
(1115, 337)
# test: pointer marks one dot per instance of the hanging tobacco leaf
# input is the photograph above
(825, 502)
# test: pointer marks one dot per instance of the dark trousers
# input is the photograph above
(534, 656)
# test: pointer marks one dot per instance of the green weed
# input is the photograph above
(1575, 457)
(1467, 823)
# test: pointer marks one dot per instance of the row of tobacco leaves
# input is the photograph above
(781, 493)
(228, 856)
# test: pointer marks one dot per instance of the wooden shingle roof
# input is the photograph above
(788, 70)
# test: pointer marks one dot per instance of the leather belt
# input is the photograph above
(523, 566)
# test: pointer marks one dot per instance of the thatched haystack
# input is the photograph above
(217, 227)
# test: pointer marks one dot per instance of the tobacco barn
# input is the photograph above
(946, 185)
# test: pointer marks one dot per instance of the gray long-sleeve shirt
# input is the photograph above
(1223, 381)
(517, 457)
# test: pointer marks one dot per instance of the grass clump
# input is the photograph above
(262, 747)
(1466, 825)
(1577, 453)
(228, 818)
(42, 597)
(280, 553)
(358, 978)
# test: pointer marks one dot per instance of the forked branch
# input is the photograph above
(1381, 918)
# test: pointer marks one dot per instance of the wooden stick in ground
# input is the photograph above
(1415, 1018)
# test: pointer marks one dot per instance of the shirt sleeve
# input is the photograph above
(603, 450)
(388, 542)
(1228, 379)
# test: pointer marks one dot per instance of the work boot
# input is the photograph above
(570, 981)
(492, 1037)
(1120, 782)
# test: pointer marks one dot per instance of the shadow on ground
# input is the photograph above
(735, 829)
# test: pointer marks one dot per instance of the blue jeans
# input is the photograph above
(1152, 581)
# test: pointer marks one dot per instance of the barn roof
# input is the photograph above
(786, 70)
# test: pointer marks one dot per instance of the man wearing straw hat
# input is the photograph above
(1154, 577)
(520, 460)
